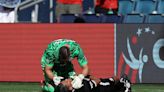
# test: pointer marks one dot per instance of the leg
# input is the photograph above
(75, 9)
(124, 84)
(113, 84)
(59, 10)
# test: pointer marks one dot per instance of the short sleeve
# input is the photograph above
(48, 56)
(81, 58)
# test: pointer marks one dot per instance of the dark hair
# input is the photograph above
(64, 54)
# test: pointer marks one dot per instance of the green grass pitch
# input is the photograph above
(35, 87)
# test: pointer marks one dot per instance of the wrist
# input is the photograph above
(54, 77)
(81, 76)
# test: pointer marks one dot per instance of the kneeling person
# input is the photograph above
(58, 68)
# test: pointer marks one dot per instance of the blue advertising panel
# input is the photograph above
(140, 52)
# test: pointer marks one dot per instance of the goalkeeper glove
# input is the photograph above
(77, 81)
(57, 80)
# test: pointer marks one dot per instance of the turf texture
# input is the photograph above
(35, 87)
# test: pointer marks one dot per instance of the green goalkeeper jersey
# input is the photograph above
(51, 55)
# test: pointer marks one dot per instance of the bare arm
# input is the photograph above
(85, 70)
(49, 72)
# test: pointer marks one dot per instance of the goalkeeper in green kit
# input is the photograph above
(58, 70)
(59, 74)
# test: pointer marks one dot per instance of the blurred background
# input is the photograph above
(124, 11)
